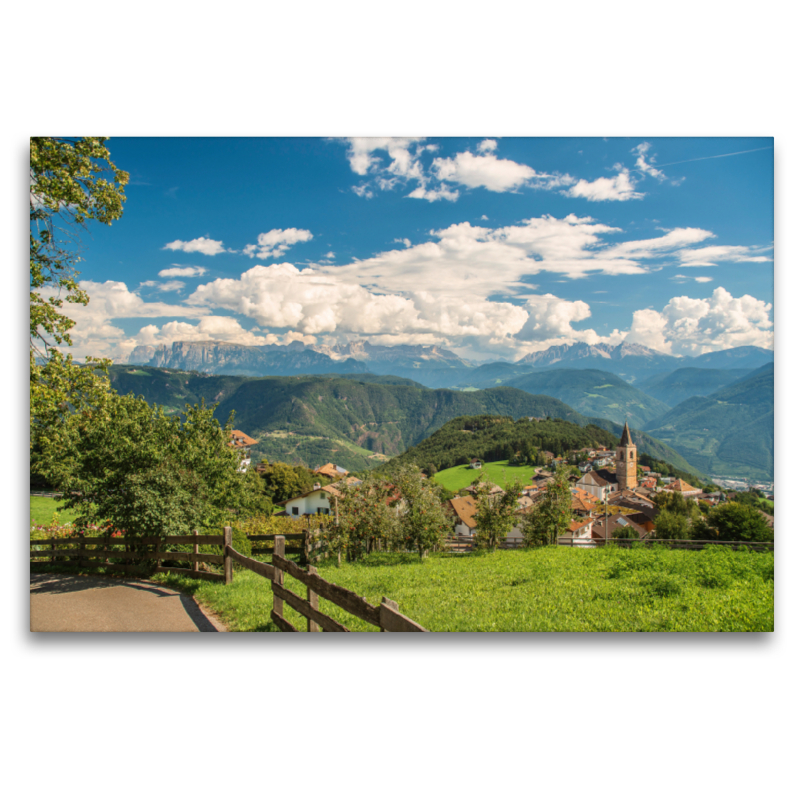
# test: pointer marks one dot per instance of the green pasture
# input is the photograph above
(548, 589)
(43, 508)
(499, 472)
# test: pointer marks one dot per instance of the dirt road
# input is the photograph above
(77, 603)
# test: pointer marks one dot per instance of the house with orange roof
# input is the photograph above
(241, 442)
(332, 471)
(681, 487)
(579, 535)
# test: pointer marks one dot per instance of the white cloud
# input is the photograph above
(208, 247)
(703, 279)
(363, 190)
(362, 160)
(431, 195)
(672, 240)
(688, 326)
(330, 254)
(167, 286)
(182, 272)
(487, 146)
(488, 171)
(711, 256)
(94, 334)
(276, 242)
(645, 166)
(620, 187)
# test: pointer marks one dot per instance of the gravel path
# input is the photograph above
(79, 603)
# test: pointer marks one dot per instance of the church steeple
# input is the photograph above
(626, 440)
(626, 460)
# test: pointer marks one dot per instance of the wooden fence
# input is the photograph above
(386, 617)
(466, 544)
(104, 551)
(93, 551)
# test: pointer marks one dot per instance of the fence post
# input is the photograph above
(307, 545)
(313, 601)
(53, 553)
(227, 534)
(195, 549)
(280, 550)
(385, 601)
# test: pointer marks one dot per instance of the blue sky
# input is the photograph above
(492, 247)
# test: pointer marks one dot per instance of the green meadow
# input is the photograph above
(547, 589)
(499, 472)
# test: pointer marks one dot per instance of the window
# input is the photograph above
(295, 511)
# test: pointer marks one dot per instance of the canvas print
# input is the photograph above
(401, 384)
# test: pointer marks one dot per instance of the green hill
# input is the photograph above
(354, 423)
(730, 432)
(594, 393)
(494, 438)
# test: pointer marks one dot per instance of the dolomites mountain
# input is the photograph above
(429, 364)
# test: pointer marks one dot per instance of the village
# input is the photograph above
(613, 497)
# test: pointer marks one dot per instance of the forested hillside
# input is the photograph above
(730, 432)
(594, 393)
(492, 438)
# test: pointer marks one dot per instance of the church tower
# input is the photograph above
(626, 460)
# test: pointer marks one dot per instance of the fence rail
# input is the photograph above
(97, 551)
(466, 544)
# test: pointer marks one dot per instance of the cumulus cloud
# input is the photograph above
(402, 162)
(211, 328)
(711, 256)
(487, 146)
(620, 187)
(276, 242)
(689, 326)
(94, 334)
(207, 247)
(166, 286)
(488, 171)
(176, 271)
(363, 190)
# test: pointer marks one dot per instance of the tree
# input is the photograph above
(126, 464)
(72, 181)
(422, 523)
(496, 513)
(672, 525)
(734, 522)
(365, 515)
(550, 517)
(284, 481)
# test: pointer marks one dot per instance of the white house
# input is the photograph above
(317, 501)
(598, 482)
(464, 509)
(241, 442)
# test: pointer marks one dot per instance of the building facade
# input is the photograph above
(626, 461)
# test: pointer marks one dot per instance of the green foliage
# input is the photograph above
(147, 473)
(283, 481)
(496, 513)
(550, 517)
(422, 522)
(672, 525)
(72, 181)
(734, 522)
(365, 515)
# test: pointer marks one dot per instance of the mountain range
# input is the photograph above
(355, 423)
(657, 393)
(729, 432)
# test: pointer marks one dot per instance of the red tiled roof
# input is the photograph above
(241, 439)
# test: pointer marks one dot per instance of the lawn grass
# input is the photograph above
(43, 508)
(548, 589)
(499, 472)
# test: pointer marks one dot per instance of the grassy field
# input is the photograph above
(43, 508)
(550, 589)
(499, 472)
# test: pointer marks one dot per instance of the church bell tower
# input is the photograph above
(626, 460)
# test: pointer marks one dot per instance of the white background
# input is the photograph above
(471, 715)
